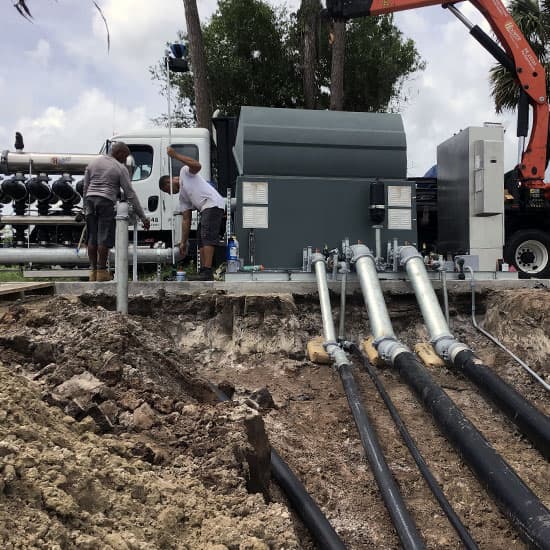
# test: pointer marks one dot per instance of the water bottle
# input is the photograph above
(233, 249)
(180, 275)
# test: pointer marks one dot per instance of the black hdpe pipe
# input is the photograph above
(526, 512)
(445, 505)
(531, 422)
(403, 522)
(317, 524)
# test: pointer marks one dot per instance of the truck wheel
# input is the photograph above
(529, 251)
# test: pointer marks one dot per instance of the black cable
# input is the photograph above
(418, 458)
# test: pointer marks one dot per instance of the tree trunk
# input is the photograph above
(337, 69)
(311, 13)
(198, 63)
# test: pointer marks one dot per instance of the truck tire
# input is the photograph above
(529, 251)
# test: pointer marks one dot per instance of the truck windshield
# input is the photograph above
(143, 157)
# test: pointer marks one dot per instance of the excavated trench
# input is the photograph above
(111, 437)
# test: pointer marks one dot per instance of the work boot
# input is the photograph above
(206, 274)
(102, 275)
(93, 275)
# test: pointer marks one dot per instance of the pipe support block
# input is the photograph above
(407, 253)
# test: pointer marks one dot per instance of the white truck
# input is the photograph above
(25, 183)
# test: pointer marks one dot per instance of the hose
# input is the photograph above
(455, 521)
(521, 363)
(518, 503)
(318, 525)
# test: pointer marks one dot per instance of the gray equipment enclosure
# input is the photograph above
(305, 180)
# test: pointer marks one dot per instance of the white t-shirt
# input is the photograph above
(196, 193)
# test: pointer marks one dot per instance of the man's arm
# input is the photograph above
(194, 165)
(131, 196)
(185, 229)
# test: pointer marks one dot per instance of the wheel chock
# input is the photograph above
(427, 354)
(316, 353)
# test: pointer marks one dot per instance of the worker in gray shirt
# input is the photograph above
(103, 179)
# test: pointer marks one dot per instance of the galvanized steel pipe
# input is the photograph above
(64, 255)
(121, 257)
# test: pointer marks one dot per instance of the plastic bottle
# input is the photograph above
(252, 267)
(233, 249)
(180, 275)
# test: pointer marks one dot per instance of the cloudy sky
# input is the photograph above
(61, 89)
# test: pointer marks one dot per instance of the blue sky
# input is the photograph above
(61, 89)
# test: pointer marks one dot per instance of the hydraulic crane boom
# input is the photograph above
(516, 55)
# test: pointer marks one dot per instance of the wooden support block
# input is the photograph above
(371, 353)
(428, 355)
(316, 352)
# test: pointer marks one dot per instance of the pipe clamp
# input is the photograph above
(360, 251)
(407, 253)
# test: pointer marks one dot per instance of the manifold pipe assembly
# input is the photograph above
(531, 422)
(517, 502)
(64, 255)
(521, 363)
(315, 521)
(121, 256)
(404, 524)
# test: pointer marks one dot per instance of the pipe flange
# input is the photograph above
(407, 253)
(360, 251)
(329, 343)
(317, 257)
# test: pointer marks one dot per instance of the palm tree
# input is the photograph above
(533, 19)
(198, 62)
(24, 11)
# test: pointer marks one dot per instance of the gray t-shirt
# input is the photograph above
(105, 176)
(196, 193)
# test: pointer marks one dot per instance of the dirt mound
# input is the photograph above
(521, 320)
(109, 442)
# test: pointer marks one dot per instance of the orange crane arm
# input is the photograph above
(517, 55)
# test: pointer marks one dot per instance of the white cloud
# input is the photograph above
(41, 53)
(81, 128)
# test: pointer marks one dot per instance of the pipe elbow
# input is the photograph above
(360, 251)
(407, 253)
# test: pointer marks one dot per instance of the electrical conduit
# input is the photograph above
(514, 498)
(531, 422)
(404, 525)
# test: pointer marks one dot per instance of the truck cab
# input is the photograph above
(148, 148)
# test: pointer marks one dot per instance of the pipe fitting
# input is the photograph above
(360, 251)
(317, 257)
(407, 253)
(122, 211)
(389, 349)
(447, 347)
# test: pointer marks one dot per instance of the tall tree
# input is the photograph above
(198, 64)
(533, 19)
(338, 43)
(309, 19)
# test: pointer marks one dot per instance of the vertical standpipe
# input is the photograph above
(121, 257)
(404, 524)
(514, 498)
(530, 421)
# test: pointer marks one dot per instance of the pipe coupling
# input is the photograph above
(407, 253)
(122, 211)
(389, 349)
(448, 347)
(360, 251)
(317, 257)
